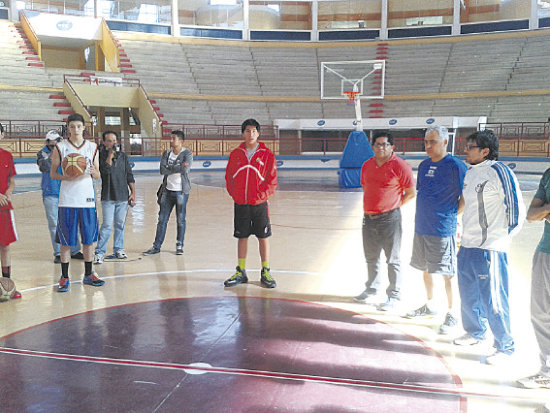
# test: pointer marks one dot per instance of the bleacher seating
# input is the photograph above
(219, 82)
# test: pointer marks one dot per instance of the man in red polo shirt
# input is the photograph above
(388, 183)
(8, 234)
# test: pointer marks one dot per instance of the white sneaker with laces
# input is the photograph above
(121, 255)
(499, 358)
(98, 259)
(536, 381)
(448, 325)
(466, 340)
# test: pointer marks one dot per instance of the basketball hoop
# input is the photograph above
(352, 97)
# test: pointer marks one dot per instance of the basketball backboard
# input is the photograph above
(362, 79)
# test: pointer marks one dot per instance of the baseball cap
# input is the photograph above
(53, 135)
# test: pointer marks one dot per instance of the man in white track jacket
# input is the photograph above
(494, 212)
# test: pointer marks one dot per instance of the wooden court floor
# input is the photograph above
(304, 346)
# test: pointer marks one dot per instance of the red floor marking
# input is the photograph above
(268, 374)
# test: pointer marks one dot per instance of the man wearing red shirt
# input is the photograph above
(251, 178)
(7, 222)
(388, 183)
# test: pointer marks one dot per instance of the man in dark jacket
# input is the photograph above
(174, 165)
(117, 192)
(50, 193)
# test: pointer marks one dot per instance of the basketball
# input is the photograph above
(7, 287)
(74, 164)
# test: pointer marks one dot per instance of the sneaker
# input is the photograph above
(121, 255)
(466, 340)
(77, 256)
(536, 381)
(390, 305)
(63, 285)
(152, 251)
(93, 280)
(238, 278)
(499, 358)
(365, 297)
(179, 251)
(98, 259)
(449, 323)
(266, 279)
(15, 295)
(423, 311)
(57, 259)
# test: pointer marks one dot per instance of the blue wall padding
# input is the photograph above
(356, 152)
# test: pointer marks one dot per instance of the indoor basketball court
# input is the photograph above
(164, 335)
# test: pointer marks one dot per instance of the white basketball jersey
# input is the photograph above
(78, 193)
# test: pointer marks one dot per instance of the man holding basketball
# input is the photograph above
(77, 205)
(7, 222)
(388, 183)
(50, 193)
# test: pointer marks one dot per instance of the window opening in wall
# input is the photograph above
(223, 2)
(421, 21)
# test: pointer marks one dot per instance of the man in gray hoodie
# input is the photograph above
(174, 165)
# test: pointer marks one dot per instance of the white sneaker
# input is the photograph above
(121, 255)
(536, 381)
(98, 259)
(466, 340)
(499, 358)
(391, 305)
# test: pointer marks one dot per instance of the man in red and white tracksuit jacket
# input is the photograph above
(251, 178)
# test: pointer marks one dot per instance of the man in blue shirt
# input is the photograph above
(439, 186)
(50, 193)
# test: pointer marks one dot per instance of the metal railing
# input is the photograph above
(25, 138)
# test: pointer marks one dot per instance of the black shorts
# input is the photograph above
(252, 219)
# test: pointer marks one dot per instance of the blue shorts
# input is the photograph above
(70, 220)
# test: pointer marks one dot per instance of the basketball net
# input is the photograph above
(355, 101)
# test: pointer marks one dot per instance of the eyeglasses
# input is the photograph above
(382, 145)
(470, 147)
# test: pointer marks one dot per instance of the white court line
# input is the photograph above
(146, 274)
(203, 368)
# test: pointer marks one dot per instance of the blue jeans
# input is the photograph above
(483, 286)
(51, 208)
(167, 202)
(114, 214)
(383, 232)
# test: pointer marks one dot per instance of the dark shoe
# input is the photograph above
(78, 256)
(238, 278)
(266, 279)
(93, 280)
(63, 285)
(448, 325)
(423, 311)
(57, 259)
(152, 251)
(365, 297)
(179, 251)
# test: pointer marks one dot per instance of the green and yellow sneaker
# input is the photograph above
(238, 278)
(266, 279)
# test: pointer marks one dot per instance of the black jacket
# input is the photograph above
(116, 177)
